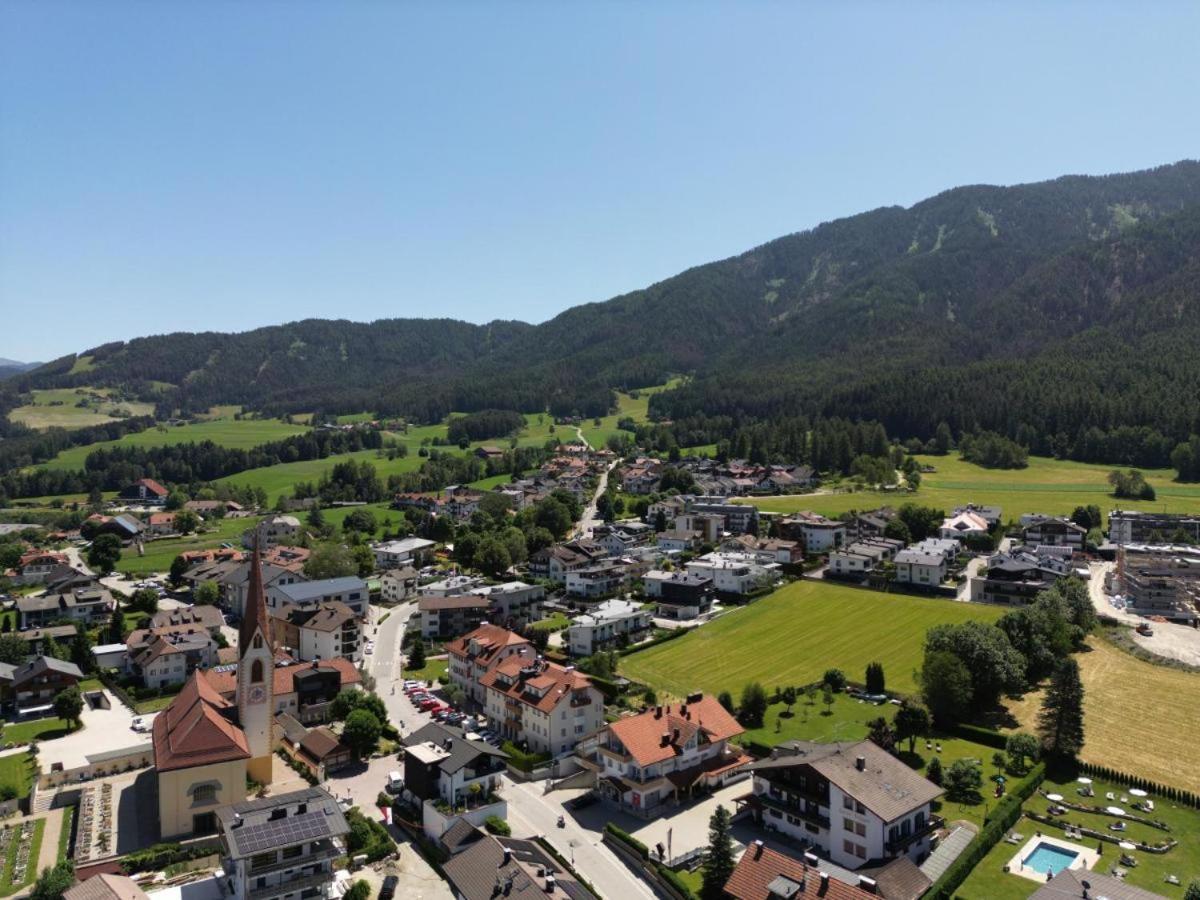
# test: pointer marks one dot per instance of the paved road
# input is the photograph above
(530, 812)
(590, 521)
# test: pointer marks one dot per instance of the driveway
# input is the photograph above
(104, 730)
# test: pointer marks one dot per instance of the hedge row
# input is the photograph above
(672, 877)
(152, 859)
(670, 635)
(979, 735)
(1177, 795)
(520, 759)
(629, 840)
(997, 824)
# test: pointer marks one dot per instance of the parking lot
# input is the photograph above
(104, 731)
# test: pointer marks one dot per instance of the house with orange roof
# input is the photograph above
(476, 653)
(766, 874)
(664, 753)
(546, 707)
(146, 491)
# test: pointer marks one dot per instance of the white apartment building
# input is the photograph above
(734, 573)
(548, 706)
(854, 801)
(410, 551)
(474, 655)
(604, 624)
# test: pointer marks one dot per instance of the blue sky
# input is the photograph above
(221, 165)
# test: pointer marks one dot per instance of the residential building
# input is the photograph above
(675, 540)
(766, 874)
(643, 762)
(474, 655)
(39, 566)
(619, 538)
(557, 561)
(679, 595)
(1021, 574)
(397, 585)
(451, 616)
(989, 514)
(451, 586)
(870, 524)
(668, 508)
(817, 533)
(273, 531)
(282, 847)
(488, 867)
(600, 579)
(160, 524)
(1134, 527)
(326, 631)
(921, 568)
(349, 590)
(302, 690)
(855, 801)
(106, 887)
(605, 624)
(410, 551)
(207, 508)
(36, 638)
(90, 605)
(735, 574)
(440, 763)
(1056, 531)
(145, 491)
(861, 557)
(541, 705)
(208, 618)
(963, 525)
(34, 684)
(780, 551)
(513, 603)
(233, 580)
(739, 518)
(168, 658)
(708, 527)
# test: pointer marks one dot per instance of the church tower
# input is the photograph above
(256, 676)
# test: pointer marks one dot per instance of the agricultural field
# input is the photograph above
(58, 408)
(1139, 718)
(636, 408)
(795, 634)
(160, 553)
(234, 433)
(1052, 486)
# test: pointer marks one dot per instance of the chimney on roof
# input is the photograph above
(658, 712)
(758, 848)
(507, 857)
(666, 738)
(683, 710)
(550, 884)
(811, 859)
(867, 884)
(860, 763)
(824, 880)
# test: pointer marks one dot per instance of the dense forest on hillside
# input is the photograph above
(1062, 315)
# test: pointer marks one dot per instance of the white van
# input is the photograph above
(395, 782)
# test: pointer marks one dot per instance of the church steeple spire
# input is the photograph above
(255, 618)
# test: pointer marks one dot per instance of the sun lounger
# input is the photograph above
(1171, 879)
(1110, 796)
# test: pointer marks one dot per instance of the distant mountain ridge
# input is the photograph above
(943, 311)
(10, 367)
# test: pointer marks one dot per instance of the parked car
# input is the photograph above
(140, 724)
(388, 890)
(429, 704)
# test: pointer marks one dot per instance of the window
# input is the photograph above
(847, 803)
(848, 847)
(859, 808)
(848, 825)
(256, 670)
(860, 829)
(860, 851)
(262, 860)
(293, 852)
(258, 642)
(204, 793)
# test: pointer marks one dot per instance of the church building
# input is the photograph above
(206, 746)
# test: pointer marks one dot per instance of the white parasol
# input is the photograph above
(1127, 845)
(1054, 797)
(1115, 811)
(1083, 779)
(1137, 792)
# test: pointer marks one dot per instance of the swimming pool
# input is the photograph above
(1049, 858)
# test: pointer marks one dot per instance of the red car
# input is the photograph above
(430, 704)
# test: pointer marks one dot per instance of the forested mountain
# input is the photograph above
(9, 367)
(1039, 311)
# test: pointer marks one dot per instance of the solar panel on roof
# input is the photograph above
(282, 832)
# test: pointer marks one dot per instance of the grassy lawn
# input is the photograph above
(160, 553)
(64, 834)
(844, 721)
(16, 771)
(35, 730)
(1138, 717)
(145, 707)
(989, 881)
(31, 870)
(795, 634)
(234, 433)
(556, 622)
(1051, 486)
(432, 671)
(636, 408)
(56, 408)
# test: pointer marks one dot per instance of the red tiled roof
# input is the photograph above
(225, 682)
(759, 866)
(642, 735)
(153, 487)
(193, 731)
(492, 639)
(554, 680)
(162, 518)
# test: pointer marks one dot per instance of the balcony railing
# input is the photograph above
(793, 809)
(316, 852)
(894, 846)
(290, 885)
